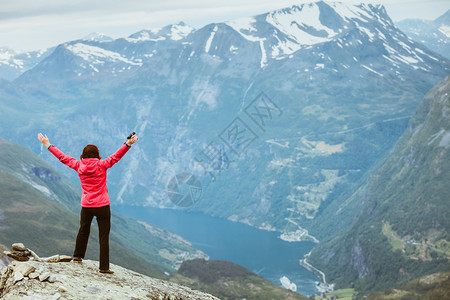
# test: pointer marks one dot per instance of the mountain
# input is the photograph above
(276, 115)
(41, 208)
(82, 281)
(401, 231)
(433, 34)
(13, 64)
(227, 280)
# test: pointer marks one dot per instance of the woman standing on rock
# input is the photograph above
(94, 200)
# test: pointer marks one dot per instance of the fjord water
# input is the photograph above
(260, 251)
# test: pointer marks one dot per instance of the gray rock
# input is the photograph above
(93, 290)
(65, 258)
(17, 276)
(52, 278)
(18, 247)
(56, 296)
(24, 268)
(33, 275)
(19, 255)
(62, 289)
(44, 276)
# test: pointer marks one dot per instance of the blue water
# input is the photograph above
(258, 250)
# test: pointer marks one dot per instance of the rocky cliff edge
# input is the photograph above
(36, 280)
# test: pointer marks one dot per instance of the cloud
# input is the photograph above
(26, 24)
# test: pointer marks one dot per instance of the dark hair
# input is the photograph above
(90, 151)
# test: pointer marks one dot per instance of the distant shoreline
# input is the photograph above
(322, 287)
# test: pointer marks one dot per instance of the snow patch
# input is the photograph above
(209, 41)
(145, 36)
(368, 33)
(371, 70)
(263, 53)
(7, 58)
(98, 37)
(180, 31)
(389, 48)
(243, 25)
(445, 29)
(320, 66)
(349, 12)
(305, 16)
(43, 189)
(97, 56)
(407, 59)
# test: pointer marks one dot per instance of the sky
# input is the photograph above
(36, 24)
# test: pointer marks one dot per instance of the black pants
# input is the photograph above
(103, 215)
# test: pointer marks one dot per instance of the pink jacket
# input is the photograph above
(92, 173)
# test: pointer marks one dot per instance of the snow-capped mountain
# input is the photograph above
(344, 79)
(98, 37)
(13, 64)
(275, 36)
(433, 34)
(173, 32)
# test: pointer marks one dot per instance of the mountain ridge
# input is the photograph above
(401, 231)
(434, 34)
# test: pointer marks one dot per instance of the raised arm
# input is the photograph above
(65, 159)
(114, 158)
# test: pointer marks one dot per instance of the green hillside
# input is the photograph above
(227, 280)
(432, 287)
(401, 231)
(40, 208)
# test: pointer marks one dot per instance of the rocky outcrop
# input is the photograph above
(358, 261)
(38, 279)
(45, 174)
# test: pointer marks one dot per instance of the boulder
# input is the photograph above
(62, 289)
(52, 278)
(24, 268)
(17, 276)
(19, 255)
(18, 247)
(44, 276)
(65, 258)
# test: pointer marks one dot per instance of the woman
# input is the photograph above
(94, 200)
